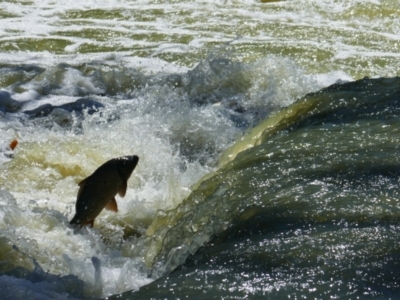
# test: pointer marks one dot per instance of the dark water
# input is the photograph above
(310, 213)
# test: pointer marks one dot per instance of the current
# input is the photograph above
(267, 133)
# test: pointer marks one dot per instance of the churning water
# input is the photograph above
(253, 181)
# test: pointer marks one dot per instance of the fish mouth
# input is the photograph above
(129, 158)
(133, 158)
(127, 165)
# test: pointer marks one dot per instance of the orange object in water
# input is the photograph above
(13, 144)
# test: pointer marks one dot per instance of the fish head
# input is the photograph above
(126, 165)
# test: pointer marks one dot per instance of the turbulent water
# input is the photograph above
(255, 178)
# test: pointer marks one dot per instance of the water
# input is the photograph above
(287, 218)
(308, 210)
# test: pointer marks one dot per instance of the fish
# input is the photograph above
(98, 191)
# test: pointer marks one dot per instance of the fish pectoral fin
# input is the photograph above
(122, 189)
(112, 205)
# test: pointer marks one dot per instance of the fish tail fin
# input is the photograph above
(77, 222)
(74, 221)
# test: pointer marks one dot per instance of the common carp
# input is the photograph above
(99, 189)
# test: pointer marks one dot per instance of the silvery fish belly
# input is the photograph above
(99, 189)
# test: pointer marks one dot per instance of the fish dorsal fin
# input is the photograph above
(112, 205)
(122, 189)
(81, 185)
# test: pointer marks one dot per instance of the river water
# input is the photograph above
(268, 160)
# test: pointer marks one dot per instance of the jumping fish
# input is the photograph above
(99, 189)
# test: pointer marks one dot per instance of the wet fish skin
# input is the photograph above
(99, 189)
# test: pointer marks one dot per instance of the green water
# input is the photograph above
(360, 39)
(310, 212)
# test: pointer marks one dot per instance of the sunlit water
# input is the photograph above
(180, 83)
